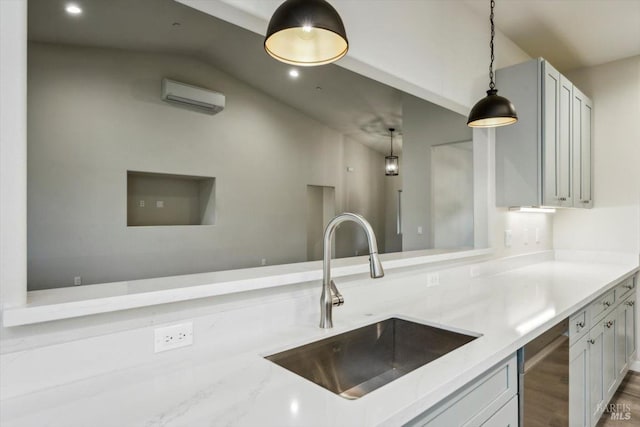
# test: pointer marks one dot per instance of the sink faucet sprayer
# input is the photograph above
(330, 295)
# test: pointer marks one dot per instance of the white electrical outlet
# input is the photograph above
(159, 203)
(77, 281)
(173, 336)
(508, 237)
(419, 229)
(433, 279)
(264, 261)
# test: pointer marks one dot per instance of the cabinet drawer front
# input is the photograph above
(602, 305)
(507, 416)
(624, 289)
(475, 402)
(578, 325)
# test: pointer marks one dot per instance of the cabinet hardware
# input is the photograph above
(591, 341)
(563, 199)
(609, 324)
(584, 201)
(631, 303)
(628, 286)
(580, 325)
(606, 304)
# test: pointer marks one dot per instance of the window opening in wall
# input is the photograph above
(321, 208)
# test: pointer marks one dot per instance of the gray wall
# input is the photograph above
(96, 113)
(424, 125)
(393, 240)
(452, 190)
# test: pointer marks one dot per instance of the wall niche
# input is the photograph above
(160, 199)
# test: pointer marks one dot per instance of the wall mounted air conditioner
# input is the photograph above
(192, 97)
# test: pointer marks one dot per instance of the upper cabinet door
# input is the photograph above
(545, 158)
(551, 132)
(565, 143)
(582, 125)
(557, 143)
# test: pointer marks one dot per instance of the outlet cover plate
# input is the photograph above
(433, 279)
(174, 336)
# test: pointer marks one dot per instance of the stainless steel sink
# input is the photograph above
(357, 362)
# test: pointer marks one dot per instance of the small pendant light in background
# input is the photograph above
(391, 165)
(492, 110)
(306, 33)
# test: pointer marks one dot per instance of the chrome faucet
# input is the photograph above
(330, 295)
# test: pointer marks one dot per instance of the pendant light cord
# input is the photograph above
(492, 85)
(391, 131)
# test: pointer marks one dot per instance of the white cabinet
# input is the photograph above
(536, 157)
(507, 416)
(621, 357)
(556, 143)
(630, 329)
(610, 326)
(600, 359)
(626, 334)
(582, 149)
(596, 389)
(489, 400)
(579, 369)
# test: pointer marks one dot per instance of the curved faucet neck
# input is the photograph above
(375, 265)
(329, 231)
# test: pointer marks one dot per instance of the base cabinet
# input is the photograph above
(600, 359)
(507, 416)
(596, 386)
(632, 324)
(610, 326)
(621, 356)
(489, 400)
(579, 368)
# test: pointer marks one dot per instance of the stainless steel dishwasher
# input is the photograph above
(543, 366)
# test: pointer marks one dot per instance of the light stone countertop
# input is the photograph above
(236, 386)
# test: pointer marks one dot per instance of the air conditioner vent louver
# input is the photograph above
(193, 97)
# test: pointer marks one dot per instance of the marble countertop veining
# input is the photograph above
(241, 388)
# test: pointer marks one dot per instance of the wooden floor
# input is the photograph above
(627, 402)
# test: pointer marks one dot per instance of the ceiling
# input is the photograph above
(569, 33)
(345, 101)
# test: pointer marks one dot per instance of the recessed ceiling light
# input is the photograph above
(73, 9)
(294, 73)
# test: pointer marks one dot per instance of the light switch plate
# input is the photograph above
(508, 238)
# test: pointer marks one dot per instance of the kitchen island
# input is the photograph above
(225, 379)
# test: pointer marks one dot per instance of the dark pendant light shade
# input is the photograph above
(306, 33)
(391, 165)
(492, 110)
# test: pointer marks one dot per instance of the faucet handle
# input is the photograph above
(336, 297)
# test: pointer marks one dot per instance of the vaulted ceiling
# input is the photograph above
(569, 33)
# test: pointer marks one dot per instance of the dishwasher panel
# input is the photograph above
(544, 379)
